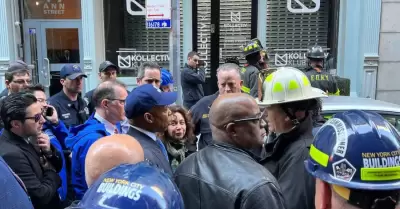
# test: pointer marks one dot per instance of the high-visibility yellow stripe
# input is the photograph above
(380, 174)
(245, 89)
(318, 156)
(293, 85)
(278, 87)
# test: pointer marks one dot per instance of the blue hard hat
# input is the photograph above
(129, 186)
(356, 150)
(166, 77)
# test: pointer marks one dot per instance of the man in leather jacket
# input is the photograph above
(289, 116)
(225, 174)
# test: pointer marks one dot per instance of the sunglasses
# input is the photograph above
(36, 117)
(258, 118)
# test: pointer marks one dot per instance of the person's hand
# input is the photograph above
(43, 141)
(54, 117)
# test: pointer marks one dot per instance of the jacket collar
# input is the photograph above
(20, 142)
(188, 66)
(279, 143)
(232, 148)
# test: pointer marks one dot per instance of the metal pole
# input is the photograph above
(174, 49)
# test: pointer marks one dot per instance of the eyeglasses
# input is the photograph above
(122, 101)
(37, 117)
(258, 118)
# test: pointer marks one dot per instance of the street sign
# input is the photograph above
(158, 13)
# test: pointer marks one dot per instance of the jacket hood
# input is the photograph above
(76, 133)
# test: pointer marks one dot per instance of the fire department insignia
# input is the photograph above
(343, 170)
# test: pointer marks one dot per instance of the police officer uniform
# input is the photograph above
(318, 77)
(250, 73)
(72, 113)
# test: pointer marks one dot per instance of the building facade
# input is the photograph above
(361, 37)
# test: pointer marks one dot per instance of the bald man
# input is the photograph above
(109, 152)
(237, 180)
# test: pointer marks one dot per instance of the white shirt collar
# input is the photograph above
(148, 133)
(110, 128)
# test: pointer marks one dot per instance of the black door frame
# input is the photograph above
(211, 83)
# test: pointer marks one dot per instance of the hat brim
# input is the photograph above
(314, 94)
(75, 75)
(110, 65)
(167, 98)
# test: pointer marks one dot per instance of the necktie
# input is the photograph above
(162, 147)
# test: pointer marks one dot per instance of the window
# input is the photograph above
(128, 42)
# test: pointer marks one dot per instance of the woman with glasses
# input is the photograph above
(178, 137)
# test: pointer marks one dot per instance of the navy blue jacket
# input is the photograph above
(12, 192)
(200, 120)
(152, 151)
(192, 80)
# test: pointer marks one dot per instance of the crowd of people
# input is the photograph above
(250, 145)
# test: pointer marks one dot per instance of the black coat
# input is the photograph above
(41, 183)
(225, 177)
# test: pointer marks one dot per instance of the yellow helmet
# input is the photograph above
(288, 84)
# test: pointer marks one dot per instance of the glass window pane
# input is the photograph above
(52, 9)
(62, 45)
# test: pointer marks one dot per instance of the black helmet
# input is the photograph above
(253, 47)
(315, 52)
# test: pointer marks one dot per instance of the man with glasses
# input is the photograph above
(17, 77)
(27, 150)
(225, 174)
(70, 107)
(109, 100)
(57, 133)
(193, 76)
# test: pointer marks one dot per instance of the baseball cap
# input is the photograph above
(145, 97)
(18, 65)
(71, 72)
(106, 64)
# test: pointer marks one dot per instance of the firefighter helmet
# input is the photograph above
(253, 47)
(315, 52)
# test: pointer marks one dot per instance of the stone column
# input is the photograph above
(93, 40)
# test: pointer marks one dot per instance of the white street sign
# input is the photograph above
(158, 9)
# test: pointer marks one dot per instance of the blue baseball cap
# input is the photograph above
(71, 72)
(145, 97)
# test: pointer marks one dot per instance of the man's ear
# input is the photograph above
(15, 124)
(99, 75)
(148, 117)
(323, 195)
(230, 128)
(138, 81)
(62, 80)
(7, 84)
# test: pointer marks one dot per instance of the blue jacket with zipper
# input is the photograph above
(79, 141)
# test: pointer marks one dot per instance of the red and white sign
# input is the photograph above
(158, 9)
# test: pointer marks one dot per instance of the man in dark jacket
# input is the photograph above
(107, 71)
(289, 116)
(147, 110)
(229, 81)
(225, 175)
(28, 151)
(192, 78)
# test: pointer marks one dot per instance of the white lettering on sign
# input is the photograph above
(293, 59)
(133, 59)
(381, 159)
(338, 125)
(236, 21)
(204, 42)
(56, 7)
(303, 8)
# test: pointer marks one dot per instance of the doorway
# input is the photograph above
(222, 32)
(49, 45)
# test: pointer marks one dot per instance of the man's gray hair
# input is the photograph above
(106, 90)
(147, 65)
(229, 67)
